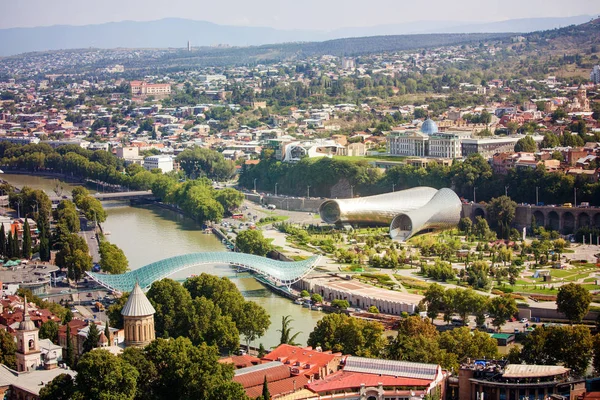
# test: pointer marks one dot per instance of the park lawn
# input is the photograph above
(590, 286)
(551, 292)
(272, 219)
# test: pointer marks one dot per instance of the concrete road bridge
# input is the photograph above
(133, 195)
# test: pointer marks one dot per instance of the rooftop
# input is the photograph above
(533, 371)
(137, 304)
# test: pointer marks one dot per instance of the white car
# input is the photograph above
(524, 320)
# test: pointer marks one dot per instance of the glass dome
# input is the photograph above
(429, 127)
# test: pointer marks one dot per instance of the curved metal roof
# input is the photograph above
(137, 304)
(280, 272)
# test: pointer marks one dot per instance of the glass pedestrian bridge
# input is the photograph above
(278, 272)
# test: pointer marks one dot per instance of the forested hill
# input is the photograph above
(573, 38)
(377, 44)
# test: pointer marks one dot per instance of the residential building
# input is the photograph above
(500, 380)
(20, 139)
(165, 163)
(144, 88)
(595, 75)
(378, 379)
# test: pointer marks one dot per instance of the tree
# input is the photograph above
(70, 352)
(91, 341)
(466, 344)
(434, 299)
(254, 321)
(340, 304)
(8, 348)
(252, 242)
(147, 372)
(573, 301)
(417, 341)
(67, 213)
(173, 305)
(44, 237)
(596, 350)
(60, 388)
(115, 319)
(49, 330)
(229, 198)
(571, 346)
(26, 252)
(316, 298)
(265, 391)
(465, 225)
(286, 331)
(2, 241)
(101, 375)
(501, 210)
(502, 308)
(112, 258)
(186, 372)
(373, 309)
(341, 333)
(526, 145)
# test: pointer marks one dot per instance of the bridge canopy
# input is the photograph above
(280, 272)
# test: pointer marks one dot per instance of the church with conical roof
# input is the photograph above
(138, 319)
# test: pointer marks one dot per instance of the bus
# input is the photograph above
(237, 216)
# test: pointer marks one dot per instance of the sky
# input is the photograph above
(286, 14)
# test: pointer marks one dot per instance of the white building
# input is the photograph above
(447, 144)
(165, 163)
(595, 75)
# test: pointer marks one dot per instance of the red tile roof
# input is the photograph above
(307, 360)
(280, 387)
(256, 375)
(346, 380)
(241, 361)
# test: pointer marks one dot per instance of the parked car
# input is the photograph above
(524, 320)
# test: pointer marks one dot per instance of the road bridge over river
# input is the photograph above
(132, 195)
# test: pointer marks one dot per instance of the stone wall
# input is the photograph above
(287, 203)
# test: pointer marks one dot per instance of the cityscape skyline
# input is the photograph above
(332, 15)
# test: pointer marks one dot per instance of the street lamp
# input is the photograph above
(474, 198)
(352, 191)
(575, 199)
(275, 189)
(255, 184)
(393, 186)
(308, 191)
(506, 190)
(537, 200)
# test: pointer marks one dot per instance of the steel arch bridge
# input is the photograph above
(279, 272)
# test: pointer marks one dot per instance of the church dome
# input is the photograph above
(137, 304)
(429, 127)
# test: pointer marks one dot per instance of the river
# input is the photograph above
(149, 233)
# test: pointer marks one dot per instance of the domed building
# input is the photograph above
(138, 319)
(429, 127)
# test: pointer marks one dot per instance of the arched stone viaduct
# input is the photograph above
(564, 219)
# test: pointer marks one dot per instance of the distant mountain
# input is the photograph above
(175, 32)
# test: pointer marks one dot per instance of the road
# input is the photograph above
(89, 234)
